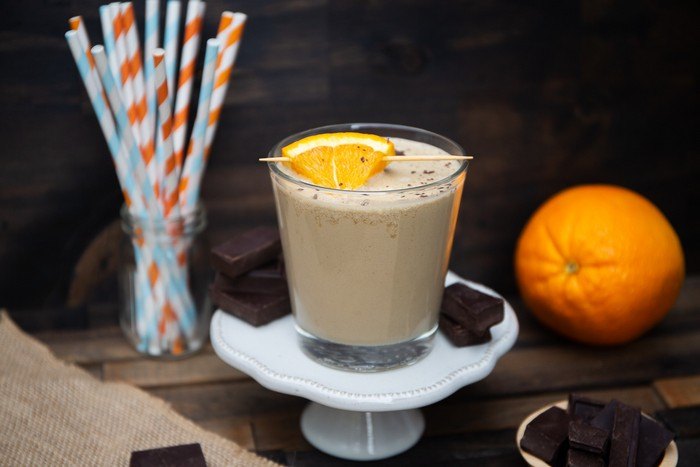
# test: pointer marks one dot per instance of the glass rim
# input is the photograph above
(194, 220)
(275, 151)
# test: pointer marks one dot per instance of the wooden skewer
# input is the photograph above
(390, 158)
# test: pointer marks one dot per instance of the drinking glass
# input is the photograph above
(366, 269)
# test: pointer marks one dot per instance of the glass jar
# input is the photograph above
(164, 305)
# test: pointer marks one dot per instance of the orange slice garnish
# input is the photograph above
(339, 160)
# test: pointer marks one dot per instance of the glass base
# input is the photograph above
(156, 349)
(363, 358)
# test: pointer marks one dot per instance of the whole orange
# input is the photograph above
(599, 264)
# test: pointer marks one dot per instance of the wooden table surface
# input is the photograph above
(475, 426)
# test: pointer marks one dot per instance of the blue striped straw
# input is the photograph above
(117, 150)
(108, 36)
(170, 43)
(194, 163)
(116, 147)
(150, 43)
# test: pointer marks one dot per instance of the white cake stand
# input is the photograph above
(358, 416)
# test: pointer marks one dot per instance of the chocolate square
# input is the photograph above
(459, 335)
(472, 309)
(255, 309)
(186, 455)
(654, 438)
(587, 438)
(584, 408)
(625, 436)
(545, 436)
(578, 458)
(246, 251)
(266, 282)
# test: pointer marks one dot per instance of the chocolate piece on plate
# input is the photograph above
(459, 335)
(274, 268)
(605, 418)
(587, 438)
(255, 309)
(625, 437)
(472, 309)
(545, 436)
(186, 455)
(578, 458)
(653, 440)
(246, 251)
(584, 408)
(252, 283)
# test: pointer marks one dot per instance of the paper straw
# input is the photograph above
(108, 36)
(194, 164)
(117, 149)
(115, 144)
(230, 33)
(188, 62)
(150, 43)
(133, 50)
(126, 89)
(77, 25)
(172, 172)
(170, 44)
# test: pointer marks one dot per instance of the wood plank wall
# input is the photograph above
(547, 94)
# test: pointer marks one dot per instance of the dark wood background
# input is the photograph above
(547, 94)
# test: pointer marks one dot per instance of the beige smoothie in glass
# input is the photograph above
(366, 267)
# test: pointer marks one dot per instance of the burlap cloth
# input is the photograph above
(54, 414)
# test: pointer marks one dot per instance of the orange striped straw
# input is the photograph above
(230, 32)
(188, 62)
(127, 92)
(229, 35)
(133, 50)
(169, 193)
(77, 25)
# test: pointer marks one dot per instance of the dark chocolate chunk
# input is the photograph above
(584, 408)
(545, 436)
(186, 455)
(653, 440)
(255, 309)
(605, 418)
(625, 436)
(246, 251)
(252, 282)
(578, 458)
(459, 335)
(274, 268)
(587, 438)
(472, 309)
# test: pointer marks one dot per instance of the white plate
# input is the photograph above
(670, 457)
(271, 355)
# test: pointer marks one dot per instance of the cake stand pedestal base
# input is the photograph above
(361, 436)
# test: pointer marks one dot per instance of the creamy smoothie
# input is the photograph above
(367, 267)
